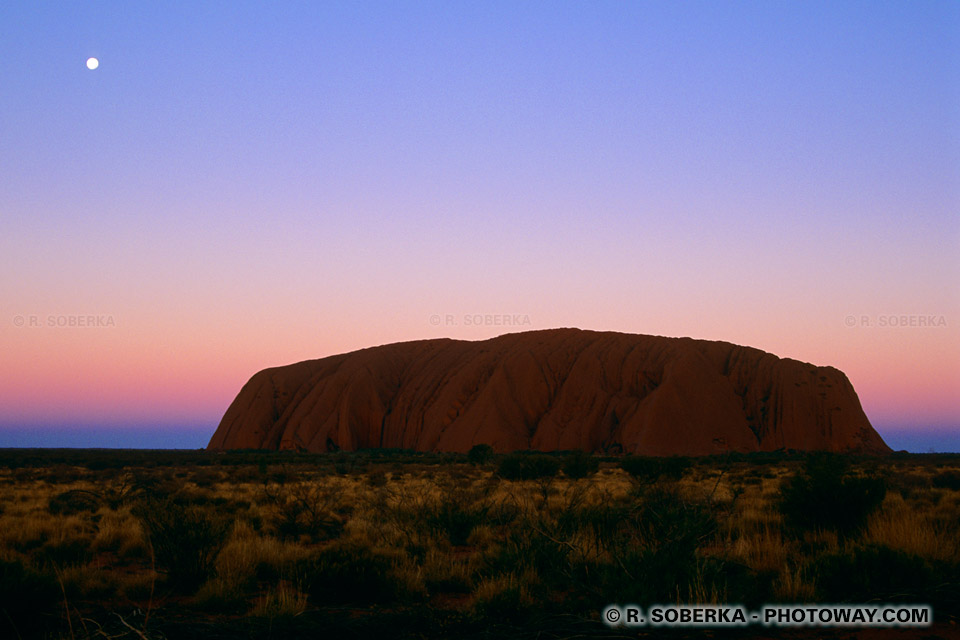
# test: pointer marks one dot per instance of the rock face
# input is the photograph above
(550, 390)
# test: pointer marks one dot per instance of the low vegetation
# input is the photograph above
(153, 545)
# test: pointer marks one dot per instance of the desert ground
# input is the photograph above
(385, 543)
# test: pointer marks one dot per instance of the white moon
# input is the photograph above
(92, 63)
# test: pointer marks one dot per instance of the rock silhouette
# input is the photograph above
(558, 389)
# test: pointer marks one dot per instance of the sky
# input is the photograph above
(241, 185)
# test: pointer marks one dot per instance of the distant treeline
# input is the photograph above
(98, 459)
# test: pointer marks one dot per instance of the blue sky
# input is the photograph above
(241, 185)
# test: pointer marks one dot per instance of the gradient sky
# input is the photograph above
(242, 185)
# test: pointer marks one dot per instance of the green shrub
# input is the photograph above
(206, 477)
(480, 454)
(73, 502)
(304, 509)
(221, 596)
(522, 466)
(349, 573)
(70, 550)
(949, 479)
(824, 496)
(533, 551)
(579, 464)
(603, 521)
(648, 469)
(737, 582)
(502, 599)
(185, 540)
(377, 479)
(873, 574)
(652, 547)
(28, 600)
(456, 517)
(908, 485)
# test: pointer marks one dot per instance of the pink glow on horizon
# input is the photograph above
(54, 377)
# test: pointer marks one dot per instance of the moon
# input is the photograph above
(92, 63)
